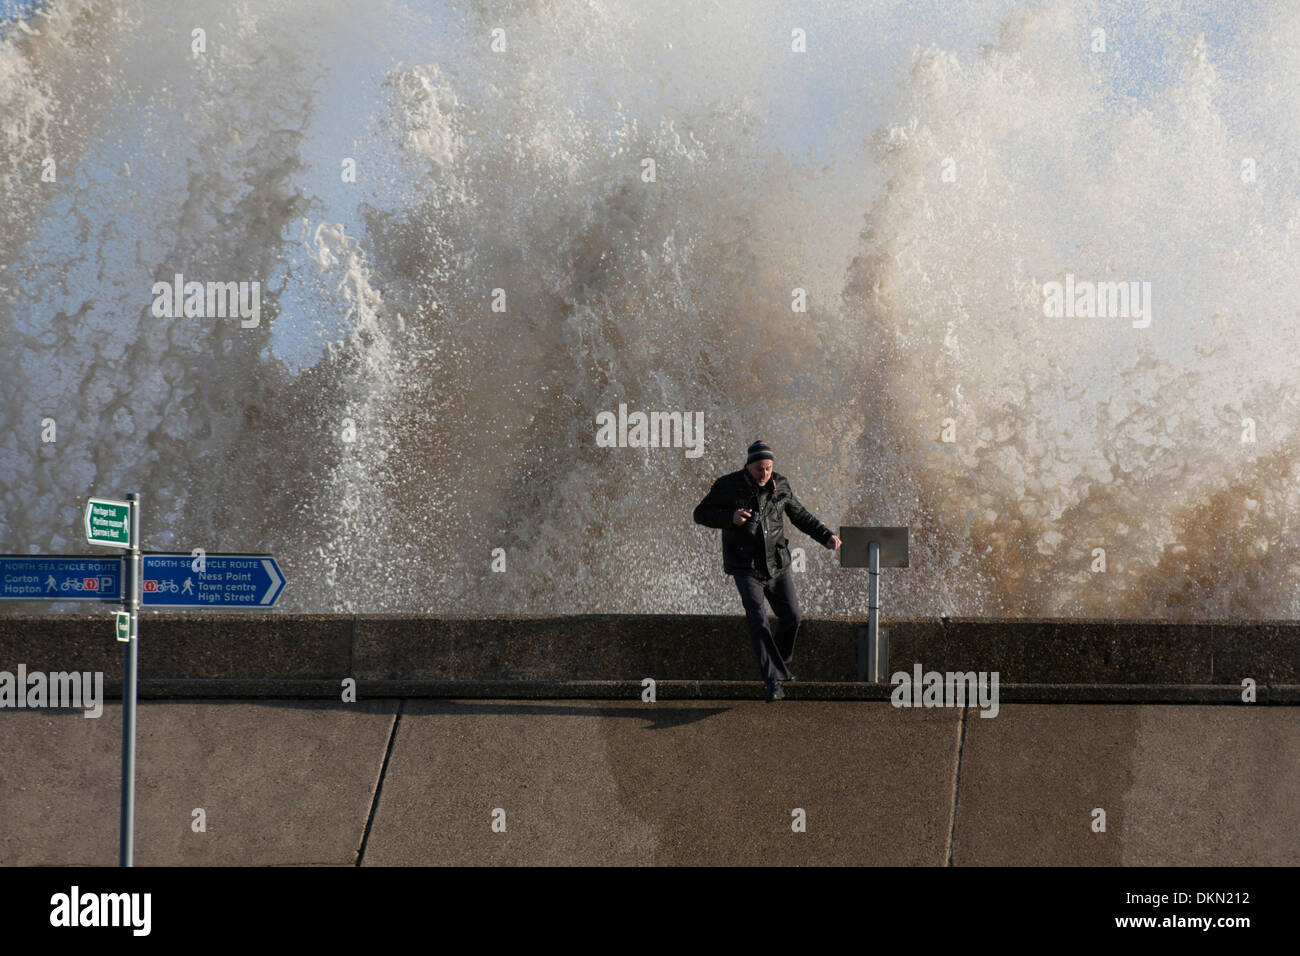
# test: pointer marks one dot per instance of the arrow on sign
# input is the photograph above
(227, 580)
(108, 522)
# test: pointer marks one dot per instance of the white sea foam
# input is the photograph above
(382, 430)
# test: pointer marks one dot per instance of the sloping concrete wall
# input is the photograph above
(684, 782)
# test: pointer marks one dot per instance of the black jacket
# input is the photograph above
(759, 544)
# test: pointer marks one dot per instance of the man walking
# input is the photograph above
(749, 506)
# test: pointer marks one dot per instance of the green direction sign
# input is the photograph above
(108, 522)
(123, 622)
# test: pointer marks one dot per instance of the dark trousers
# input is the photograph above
(773, 652)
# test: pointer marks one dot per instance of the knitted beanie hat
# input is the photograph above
(758, 451)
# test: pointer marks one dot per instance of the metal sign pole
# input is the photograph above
(131, 561)
(873, 548)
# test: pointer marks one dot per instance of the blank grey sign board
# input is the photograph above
(854, 550)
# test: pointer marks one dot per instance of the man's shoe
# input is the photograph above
(774, 691)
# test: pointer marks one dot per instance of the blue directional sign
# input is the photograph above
(227, 580)
(59, 577)
(167, 580)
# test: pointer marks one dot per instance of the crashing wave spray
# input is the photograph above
(433, 430)
(1094, 467)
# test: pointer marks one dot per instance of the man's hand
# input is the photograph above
(741, 516)
(835, 542)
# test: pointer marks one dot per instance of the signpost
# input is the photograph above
(130, 658)
(227, 580)
(109, 523)
(873, 548)
(167, 579)
(60, 577)
(135, 578)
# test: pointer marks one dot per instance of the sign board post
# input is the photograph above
(134, 578)
(168, 579)
(873, 548)
(131, 652)
(60, 577)
(226, 580)
(109, 523)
